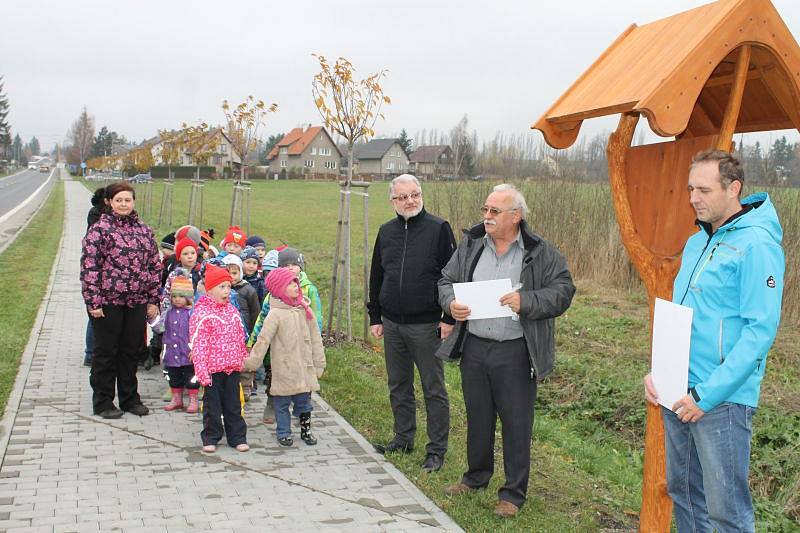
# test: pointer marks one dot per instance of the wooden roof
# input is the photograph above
(664, 68)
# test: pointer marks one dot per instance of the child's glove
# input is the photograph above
(252, 363)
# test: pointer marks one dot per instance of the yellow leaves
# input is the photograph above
(387, 100)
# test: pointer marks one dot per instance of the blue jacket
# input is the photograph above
(733, 279)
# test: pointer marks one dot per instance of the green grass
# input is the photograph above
(25, 270)
(588, 437)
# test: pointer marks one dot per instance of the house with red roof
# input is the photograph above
(306, 151)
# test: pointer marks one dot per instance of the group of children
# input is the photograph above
(232, 318)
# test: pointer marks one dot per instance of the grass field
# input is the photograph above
(587, 452)
(25, 270)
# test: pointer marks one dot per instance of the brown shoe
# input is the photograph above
(458, 489)
(505, 509)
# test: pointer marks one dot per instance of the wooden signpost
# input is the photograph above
(698, 77)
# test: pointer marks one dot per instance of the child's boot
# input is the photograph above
(305, 429)
(192, 401)
(177, 400)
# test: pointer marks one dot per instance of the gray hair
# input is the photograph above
(517, 200)
(403, 178)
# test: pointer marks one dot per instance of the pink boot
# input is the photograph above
(192, 401)
(177, 400)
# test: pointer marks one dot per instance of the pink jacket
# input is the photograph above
(216, 337)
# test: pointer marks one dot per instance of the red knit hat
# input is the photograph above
(235, 234)
(183, 243)
(216, 275)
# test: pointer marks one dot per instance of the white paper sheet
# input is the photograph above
(672, 331)
(483, 298)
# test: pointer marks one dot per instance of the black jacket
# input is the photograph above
(407, 263)
(547, 292)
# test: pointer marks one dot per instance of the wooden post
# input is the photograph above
(334, 279)
(735, 100)
(656, 504)
(365, 185)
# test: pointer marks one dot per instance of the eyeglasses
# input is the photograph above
(494, 211)
(405, 197)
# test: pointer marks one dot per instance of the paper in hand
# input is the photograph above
(483, 298)
(672, 331)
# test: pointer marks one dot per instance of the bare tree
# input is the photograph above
(243, 123)
(81, 134)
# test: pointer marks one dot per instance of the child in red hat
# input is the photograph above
(235, 240)
(218, 351)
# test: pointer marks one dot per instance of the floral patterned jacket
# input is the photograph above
(216, 338)
(120, 263)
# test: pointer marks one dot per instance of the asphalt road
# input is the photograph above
(17, 188)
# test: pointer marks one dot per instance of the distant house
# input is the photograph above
(216, 145)
(379, 158)
(304, 151)
(432, 162)
(220, 150)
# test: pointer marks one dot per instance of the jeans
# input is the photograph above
(87, 353)
(302, 404)
(707, 469)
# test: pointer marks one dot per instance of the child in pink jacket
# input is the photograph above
(218, 351)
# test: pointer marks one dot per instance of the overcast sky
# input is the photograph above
(148, 65)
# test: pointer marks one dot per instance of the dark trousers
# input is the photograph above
(406, 345)
(496, 379)
(118, 341)
(182, 377)
(87, 354)
(222, 411)
(156, 345)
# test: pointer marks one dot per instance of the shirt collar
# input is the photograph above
(487, 241)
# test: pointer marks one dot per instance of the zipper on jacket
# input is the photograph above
(721, 357)
(403, 267)
(689, 284)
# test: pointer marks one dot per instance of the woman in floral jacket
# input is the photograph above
(120, 275)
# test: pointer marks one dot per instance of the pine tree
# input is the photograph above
(404, 142)
(5, 128)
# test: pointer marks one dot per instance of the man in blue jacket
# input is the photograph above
(731, 275)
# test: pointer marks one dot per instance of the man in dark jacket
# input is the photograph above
(407, 262)
(503, 358)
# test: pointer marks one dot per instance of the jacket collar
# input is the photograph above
(529, 238)
(413, 220)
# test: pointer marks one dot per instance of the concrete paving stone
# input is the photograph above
(54, 520)
(29, 529)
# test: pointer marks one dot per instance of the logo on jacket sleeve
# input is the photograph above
(771, 282)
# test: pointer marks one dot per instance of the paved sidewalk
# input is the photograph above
(64, 469)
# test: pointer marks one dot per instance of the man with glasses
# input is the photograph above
(503, 358)
(407, 262)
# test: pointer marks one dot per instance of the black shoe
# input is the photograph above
(139, 410)
(285, 441)
(432, 463)
(393, 447)
(148, 364)
(110, 413)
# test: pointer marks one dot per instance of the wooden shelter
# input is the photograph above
(699, 77)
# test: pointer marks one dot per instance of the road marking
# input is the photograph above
(28, 199)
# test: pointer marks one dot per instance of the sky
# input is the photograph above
(147, 65)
